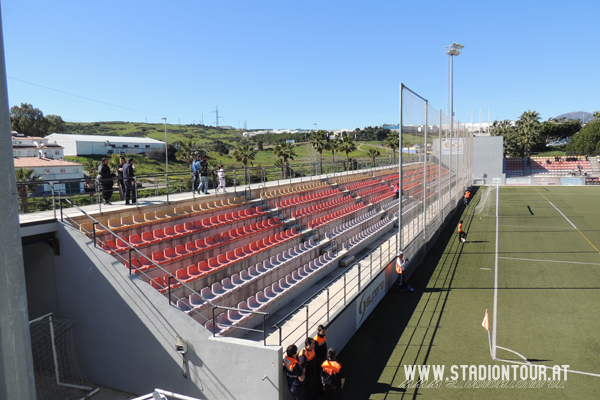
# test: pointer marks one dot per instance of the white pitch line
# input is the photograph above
(487, 269)
(495, 307)
(529, 226)
(554, 261)
(568, 220)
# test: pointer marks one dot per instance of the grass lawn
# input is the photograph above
(548, 268)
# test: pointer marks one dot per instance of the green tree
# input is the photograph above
(284, 151)
(27, 177)
(587, 141)
(91, 166)
(372, 153)
(528, 132)
(332, 145)
(245, 154)
(347, 146)
(318, 140)
(596, 115)
(28, 120)
(55, 124)
(188, 151)
(509, 132)
(392, 141)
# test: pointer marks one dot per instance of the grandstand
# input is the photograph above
(199, 295)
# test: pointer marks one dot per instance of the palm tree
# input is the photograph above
(332, 145)
(596, 115)
(188, 152)
(245, 154)
(347, 146)
(25, 175)
(528, 132)
(318, 141)
(393, 141)
(284, 151)
(373, 154)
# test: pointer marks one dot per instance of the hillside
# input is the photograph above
(587, 117)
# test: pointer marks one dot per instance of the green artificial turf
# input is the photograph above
(548, 292)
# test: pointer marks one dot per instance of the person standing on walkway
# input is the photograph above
(203, 188)
(106, 180)
(221, 175)
(122, 186)
(294, 373)
(333, 377)
(462, 236)
(128, 174)
(320, 353)
(196, 172)
(308, 361)
(400, 264)
(467, 197)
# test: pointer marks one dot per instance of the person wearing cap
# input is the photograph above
(294, 373)
(400, 263)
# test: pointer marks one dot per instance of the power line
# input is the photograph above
(85, 98)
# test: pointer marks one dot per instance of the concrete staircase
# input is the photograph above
(594, 165)
(526, 167)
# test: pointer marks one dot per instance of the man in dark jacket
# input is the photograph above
(106, 180)
(203, 176)
(120, 177)
(196, 172)
(128, 174)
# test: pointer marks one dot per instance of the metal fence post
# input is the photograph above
(359, 286)
(328, 304)
(307, 320)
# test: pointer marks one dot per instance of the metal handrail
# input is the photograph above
(171, 276)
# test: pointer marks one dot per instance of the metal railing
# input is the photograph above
(167, 289)
(43, 195)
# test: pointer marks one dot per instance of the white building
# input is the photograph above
(79, 145)
(32, 146)
(54, 170)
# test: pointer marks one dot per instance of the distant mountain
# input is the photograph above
(576, 115)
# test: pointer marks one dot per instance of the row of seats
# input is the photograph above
(186, 229)
(363, 235)
(371, 191)
(262, 299)
(347, 179)
(200, 245)
(151, 217)
(361, 184)
(237, 281)
(221, 261)
(295, 189)
(336, 215)
(323, 206)
(381, 197)
(340, 229)
(308, 198)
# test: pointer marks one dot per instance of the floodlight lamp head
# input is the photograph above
(457, 46)
(451, 51)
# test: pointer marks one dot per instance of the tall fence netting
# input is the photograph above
(436, 170)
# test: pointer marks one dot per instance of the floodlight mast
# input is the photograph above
(453, 50)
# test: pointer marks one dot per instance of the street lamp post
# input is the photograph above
(166, 156)
(453, 50)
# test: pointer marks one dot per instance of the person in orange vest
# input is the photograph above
(400, 264)
(294, 373)
(397, 190)
(321, 352)
(333, 377)
(462, 236)
(308, 360)
(467, 197)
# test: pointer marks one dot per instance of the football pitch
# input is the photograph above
(532, 259)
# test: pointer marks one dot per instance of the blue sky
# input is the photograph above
(283, 64)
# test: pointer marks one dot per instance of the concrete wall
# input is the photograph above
(487, 159)
(125, 334)
(38, 261)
